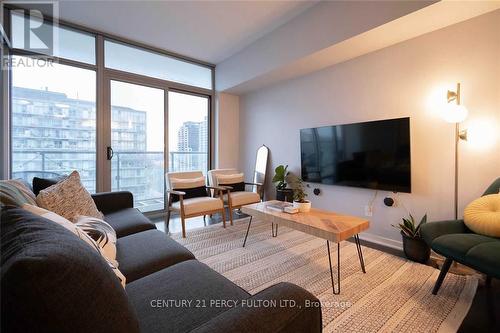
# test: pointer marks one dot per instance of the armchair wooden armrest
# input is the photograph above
(219, 188)
(179, 193)
(226, 188)
(256, 184)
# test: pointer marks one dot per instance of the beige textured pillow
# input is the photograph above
(74, 228)
(69, 199)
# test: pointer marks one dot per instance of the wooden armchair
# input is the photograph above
(190, 197)
(235, 193)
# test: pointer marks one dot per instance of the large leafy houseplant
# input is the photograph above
(415, 248)
(299, 194)
(280, 174)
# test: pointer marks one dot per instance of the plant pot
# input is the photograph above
(416, 249)
(303, 207)
(284, 195)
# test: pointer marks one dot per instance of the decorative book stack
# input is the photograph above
(282, 207)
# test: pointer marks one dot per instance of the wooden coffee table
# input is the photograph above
(331, 226)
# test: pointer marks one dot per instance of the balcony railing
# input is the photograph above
(141, 173)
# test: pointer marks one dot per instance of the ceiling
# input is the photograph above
(206, 30)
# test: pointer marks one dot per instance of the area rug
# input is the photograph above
(393, 296)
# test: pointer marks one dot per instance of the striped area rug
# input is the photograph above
(393, 296)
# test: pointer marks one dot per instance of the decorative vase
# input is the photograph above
(285, 194)
(303, 207)
(416, 249)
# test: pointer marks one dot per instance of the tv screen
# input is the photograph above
(374, 154)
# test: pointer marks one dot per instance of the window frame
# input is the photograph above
(103, 98)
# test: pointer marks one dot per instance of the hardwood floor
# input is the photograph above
(175, 225)
(483, 316)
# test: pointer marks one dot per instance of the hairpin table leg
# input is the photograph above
(360, 253)
(248, 229)
(331, 269)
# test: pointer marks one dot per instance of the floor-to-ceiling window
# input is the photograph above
(53, 122)
(188, 132)
(138, 143)
(120, 114)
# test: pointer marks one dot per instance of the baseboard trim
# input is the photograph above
(382, 241)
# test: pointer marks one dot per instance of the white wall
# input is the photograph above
(227, 131)
(397, 81)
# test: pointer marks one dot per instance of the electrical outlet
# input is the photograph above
(368, 210)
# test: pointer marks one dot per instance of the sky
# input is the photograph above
(78, 83)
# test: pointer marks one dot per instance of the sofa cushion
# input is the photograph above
(47, 214)
(53, 282)
(128, 221)
(199, 205)
(181, 297)
(68, 198)
(147, 252)
(82, 234)
(243, 198)
(485, 257)
(456, 246)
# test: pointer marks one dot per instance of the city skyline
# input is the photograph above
(54, 134)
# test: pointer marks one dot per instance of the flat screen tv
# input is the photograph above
(374, 154)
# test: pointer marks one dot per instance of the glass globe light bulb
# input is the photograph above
(454, 113)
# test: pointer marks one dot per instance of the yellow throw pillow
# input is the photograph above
(483, 215)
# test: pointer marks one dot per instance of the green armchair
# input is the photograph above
(456, 242)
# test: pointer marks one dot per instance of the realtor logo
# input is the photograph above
(34, 26)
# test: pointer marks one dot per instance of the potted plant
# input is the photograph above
(299, 196)
(280, 176)
(415, 248)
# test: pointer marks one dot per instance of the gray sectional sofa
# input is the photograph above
(53, 282)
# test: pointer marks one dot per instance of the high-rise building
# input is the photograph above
(53, 134)
(192, 145)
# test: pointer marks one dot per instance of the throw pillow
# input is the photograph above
(102, 233)
(74, 228)
(193, 187)
(483, 215)
(235, 187)
(14, 192)
(69, 199)
(42, 183)
(236, 181)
